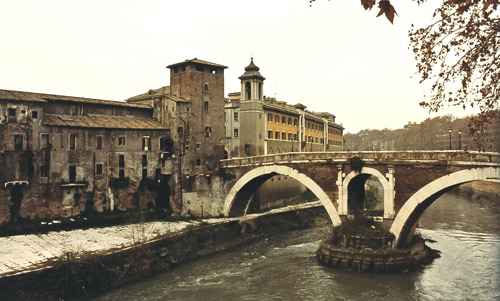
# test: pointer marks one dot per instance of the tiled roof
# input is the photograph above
(155, 93)
(42, 97)
(103, 121)
(197, 61)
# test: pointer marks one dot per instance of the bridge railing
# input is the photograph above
(444, 157)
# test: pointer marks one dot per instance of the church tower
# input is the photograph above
(252, 123)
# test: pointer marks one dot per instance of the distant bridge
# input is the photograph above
(412, 180)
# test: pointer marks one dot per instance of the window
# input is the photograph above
(236, 116)
(270, 117)
(199, 67)
(44, 171)
(316, 139)
(289, 121)
(44, 141)
(295, 122)
(121, 161)
(121, 140)
(98, 143)
(290, 136)
(180, 130)
(72, 173)
(144, 173)
(270, 134)
(213, 70)
(176, 70)
(72, 142)
(205, 87)
(198, 162)
(208, 131)
(34, 114)
(236, 133)
(98, 169)
(277, 135)
(205, 105)
(144, 160)
(121, 173)
(146, 143)
(277, 118)
(283, 136)
(183, 68)
(283, 120)
(248, 92)
(295, 137)
(12, 112)
(198, 145)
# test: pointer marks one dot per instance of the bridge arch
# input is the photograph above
(254, 178)
(406, 220)
(387, 184)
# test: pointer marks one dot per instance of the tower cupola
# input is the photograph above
(252, 83)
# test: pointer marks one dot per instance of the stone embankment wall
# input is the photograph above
(78, 276)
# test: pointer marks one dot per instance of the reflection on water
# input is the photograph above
(284, 267)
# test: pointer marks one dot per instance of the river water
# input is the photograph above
(284, 267)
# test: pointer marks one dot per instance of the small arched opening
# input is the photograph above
(365, 196)
(248, 91)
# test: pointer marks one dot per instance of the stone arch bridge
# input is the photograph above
(411, 180)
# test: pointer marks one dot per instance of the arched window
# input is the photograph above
(248, 91)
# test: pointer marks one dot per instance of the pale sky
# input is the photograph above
(333, 56)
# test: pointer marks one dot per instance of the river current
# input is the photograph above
(284, 267)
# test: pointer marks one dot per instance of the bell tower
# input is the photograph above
(252, 123)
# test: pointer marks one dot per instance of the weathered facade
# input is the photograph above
(62, 155)
(259, 125)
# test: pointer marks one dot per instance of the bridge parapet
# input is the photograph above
(387, 157)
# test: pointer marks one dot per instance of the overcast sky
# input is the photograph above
(333, 56)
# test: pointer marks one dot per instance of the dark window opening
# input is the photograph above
(72, 173)
(183, 68)
(12, 112)
(205, 87)
(98, 169)
(121, 173)
(34, 114)
(176, 70)
(99, 142)
(270, 134)
(248, 91)
(270, 117)
(277, 118)
(289, 121)
(144, 173)
(44, 171)
(199, 68)
(121, 140)
(277, 135)
(144, 160)
(72, 142)
(283, 120)
(260, 90)
(283, 136)
(205, 105)
(121, 161)
(236, 116)
(18, 142)
(198, 162)
(208, 131)
(236, 133)
(180, 130)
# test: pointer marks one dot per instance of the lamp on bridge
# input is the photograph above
(449, 130)
(459, 140)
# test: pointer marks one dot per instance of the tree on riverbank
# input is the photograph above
(458, 53)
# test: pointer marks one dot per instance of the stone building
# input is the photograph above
(259, 125)
(61, 155)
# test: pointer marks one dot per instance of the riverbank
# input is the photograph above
(481, 191)
(81, 266)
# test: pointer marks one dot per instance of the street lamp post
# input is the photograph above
(449, 131)
(459, 140)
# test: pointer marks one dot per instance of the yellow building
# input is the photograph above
(258, 125)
